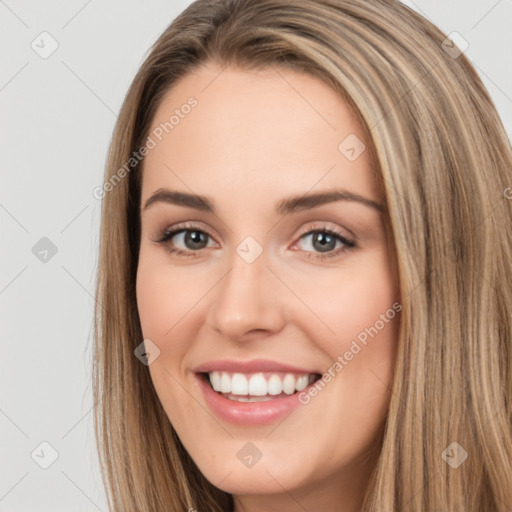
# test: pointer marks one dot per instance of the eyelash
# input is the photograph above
(166, 235)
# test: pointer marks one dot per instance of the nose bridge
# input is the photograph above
(245, 300)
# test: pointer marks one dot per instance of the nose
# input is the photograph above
(247, 302)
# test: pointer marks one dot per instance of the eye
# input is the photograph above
(324, 240)
(322, 245)
(189, 235)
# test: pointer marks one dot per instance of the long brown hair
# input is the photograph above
(445, 163)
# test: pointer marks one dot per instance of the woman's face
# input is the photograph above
(260, 298)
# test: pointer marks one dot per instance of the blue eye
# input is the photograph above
(194, 239)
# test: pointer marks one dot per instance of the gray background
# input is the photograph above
(57, 118)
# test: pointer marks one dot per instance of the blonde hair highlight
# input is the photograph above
(444, 161)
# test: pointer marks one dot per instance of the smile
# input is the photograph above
(253, 399)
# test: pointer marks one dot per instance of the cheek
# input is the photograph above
(152, 300)
(347, 301)
(162, 301)
(165, 294)
(171, 305)
(358, 312)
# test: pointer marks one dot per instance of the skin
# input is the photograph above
(255, 138)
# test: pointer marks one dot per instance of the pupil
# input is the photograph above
(326, 242)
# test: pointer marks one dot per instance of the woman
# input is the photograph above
(304, 283)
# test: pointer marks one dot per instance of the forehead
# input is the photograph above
(260, 133)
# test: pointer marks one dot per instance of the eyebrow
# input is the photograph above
(284, 207)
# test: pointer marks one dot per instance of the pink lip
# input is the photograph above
(253, 366)
(248, 413)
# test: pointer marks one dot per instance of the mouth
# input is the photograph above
(257, 387)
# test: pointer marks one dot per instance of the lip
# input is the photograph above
(248, 413)
(252, 366)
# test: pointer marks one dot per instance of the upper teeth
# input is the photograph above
(259, 384)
